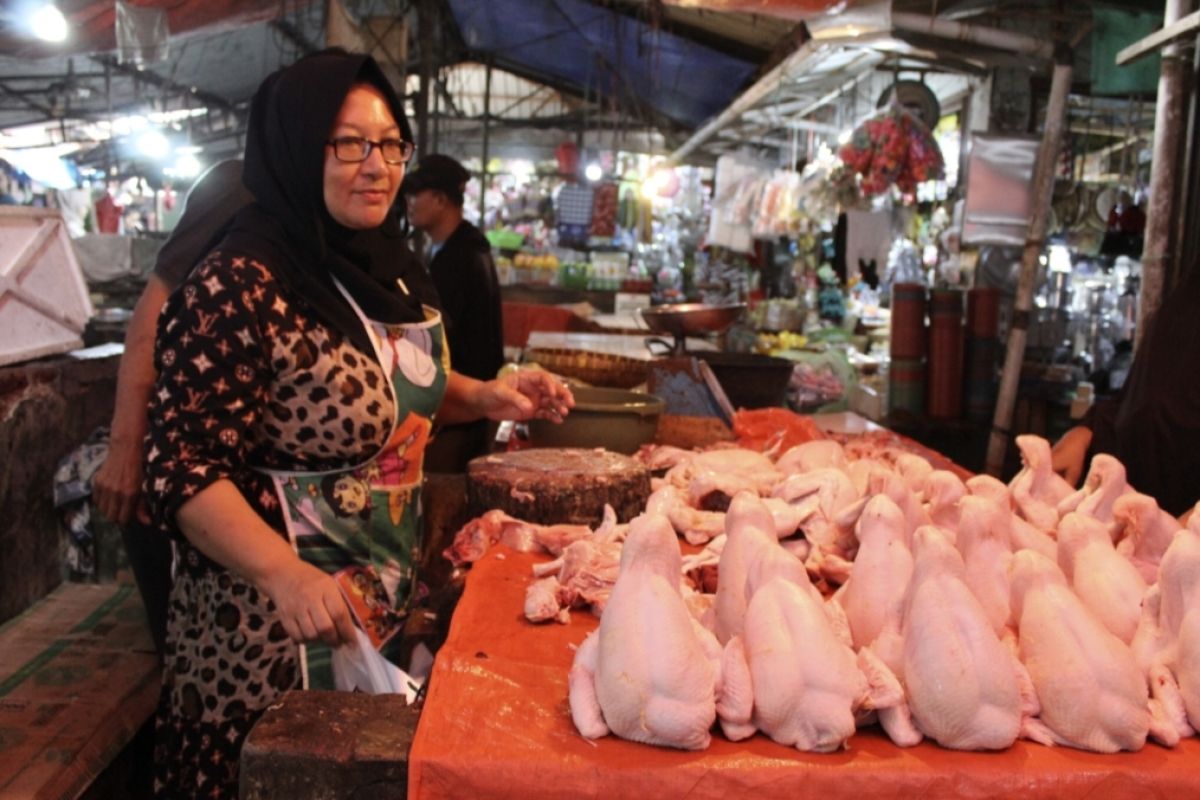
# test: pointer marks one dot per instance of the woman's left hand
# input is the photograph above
(525, 394)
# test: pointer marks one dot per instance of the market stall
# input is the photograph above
(496, 723)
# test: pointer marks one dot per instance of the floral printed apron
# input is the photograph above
(361, 525)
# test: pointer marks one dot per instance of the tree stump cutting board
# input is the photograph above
(553, 485)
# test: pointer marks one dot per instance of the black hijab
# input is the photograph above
(288, 226)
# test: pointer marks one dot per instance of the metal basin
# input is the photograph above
(691, 319)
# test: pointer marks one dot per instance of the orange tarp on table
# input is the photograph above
(496, 724)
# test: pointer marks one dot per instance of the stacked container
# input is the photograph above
(906, 376)
(945, 397)
(982, 352)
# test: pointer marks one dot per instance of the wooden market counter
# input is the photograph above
(496, 724)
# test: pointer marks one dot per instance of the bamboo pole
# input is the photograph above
(1043, 188)
(1169, 124)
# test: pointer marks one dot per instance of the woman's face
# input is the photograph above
(358, 195)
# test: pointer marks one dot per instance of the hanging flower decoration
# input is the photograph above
(892, 148)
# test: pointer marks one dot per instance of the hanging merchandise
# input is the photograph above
(778, 207)
(604, 211)
(739, 180)
(893, 148)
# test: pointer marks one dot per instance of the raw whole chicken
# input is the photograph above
(874, 595)
(943, 490)
(650, 672)
(1037, 489)
(992, 488)
(789, 674)
(1105, 483)
(1092, 694)
(915, 515)
(867, 472)
(1105, 581)
(812, 455)
(1169, 636)
(984, 541)
(960, 679)
(915, 470)
(749, 529)
(1148, 532)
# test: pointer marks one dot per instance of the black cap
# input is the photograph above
(438, 172)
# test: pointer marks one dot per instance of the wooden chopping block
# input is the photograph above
(551, 485)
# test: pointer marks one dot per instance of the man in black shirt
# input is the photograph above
(465, 277)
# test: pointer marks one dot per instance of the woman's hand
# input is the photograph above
(117, 484)
(519, 395)
(1069, 452)
(309, 603)
(524, 394)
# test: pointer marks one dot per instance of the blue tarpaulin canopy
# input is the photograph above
(598, 51)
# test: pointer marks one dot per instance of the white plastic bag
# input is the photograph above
(363, 669)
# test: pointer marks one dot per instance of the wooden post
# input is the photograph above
(1169, 126)
(487, 129)
(1043, 188)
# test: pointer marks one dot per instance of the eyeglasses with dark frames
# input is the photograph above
(353, 149)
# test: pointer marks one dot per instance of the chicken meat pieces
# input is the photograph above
(789, 674)
(712, 477)
(1037, 489)
(960, 679)
(1107, 583)
(826, 492)
(1092, 694)
(649, 673)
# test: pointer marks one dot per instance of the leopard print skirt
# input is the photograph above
(228, 658)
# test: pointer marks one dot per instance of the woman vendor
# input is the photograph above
(1153, 424)
(297, 352)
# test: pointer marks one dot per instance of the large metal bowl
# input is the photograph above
(691, 319)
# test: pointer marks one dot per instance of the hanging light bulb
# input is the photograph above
(594, 172)
(48, 23)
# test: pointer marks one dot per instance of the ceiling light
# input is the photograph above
(153, 144)
(187, 166)
(593, 172)
(48, 23)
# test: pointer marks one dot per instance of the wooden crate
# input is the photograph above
(44, 303)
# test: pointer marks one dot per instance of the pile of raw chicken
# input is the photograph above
(856, 584)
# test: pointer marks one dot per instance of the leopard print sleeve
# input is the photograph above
(213, 359)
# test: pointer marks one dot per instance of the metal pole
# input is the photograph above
(1043, 188)
(425, 12)
(487, 129)
(1169, 125)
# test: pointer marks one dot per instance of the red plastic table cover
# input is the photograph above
(496, 724)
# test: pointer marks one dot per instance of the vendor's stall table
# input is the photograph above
(496, 724)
